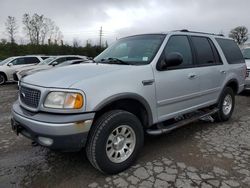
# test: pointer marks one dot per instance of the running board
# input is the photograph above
(165, 129)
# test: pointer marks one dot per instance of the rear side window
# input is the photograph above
(72, 58)
(181, 45)
(31, 60)
(204, 50)
(231, 51)
(60, 60)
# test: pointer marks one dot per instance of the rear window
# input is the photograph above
(231, 51)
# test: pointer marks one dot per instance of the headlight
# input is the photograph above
(64, 100)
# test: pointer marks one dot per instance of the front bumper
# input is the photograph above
(247, 84)
(67, 132)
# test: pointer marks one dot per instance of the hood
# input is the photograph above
(37, 69)
(65, 77)
(248, 63)
(30, 67)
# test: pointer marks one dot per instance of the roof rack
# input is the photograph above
(185, 30)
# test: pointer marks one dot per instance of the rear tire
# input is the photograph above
(115, 141)
(225, 105)
(2, 79)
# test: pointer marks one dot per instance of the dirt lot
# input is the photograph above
(198, 155)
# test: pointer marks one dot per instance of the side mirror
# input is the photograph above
(10, 64)
(171, 60)
(54, 63)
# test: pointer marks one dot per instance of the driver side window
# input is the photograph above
(18, 61)
(180, 44)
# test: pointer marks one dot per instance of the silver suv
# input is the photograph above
(151, 83)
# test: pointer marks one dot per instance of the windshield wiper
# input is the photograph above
(114, 60)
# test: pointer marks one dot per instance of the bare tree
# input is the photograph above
(37, 23)
(41, 29)
(11, 28)
(76, 43)
(28, 27)
(239, 34)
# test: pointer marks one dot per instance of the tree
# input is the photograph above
(76, 43)
(239, 34)
(11, 28)
(40, 29)
(3, 41)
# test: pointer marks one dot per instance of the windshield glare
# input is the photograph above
(246, 53)
(137, 50)
(47, 61)
(6, 60)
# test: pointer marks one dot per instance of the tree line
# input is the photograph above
(44, 37)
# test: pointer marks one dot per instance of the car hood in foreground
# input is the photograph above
(65, 77)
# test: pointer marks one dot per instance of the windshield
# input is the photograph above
(6, 60)
(135, 50)
(246, 53)
(47, 61)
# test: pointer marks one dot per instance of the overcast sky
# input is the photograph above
(82, 19)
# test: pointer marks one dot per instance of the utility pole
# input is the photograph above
(100, 35)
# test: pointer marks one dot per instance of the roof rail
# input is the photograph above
(185, 30)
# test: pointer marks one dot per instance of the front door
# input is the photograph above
(177, 87)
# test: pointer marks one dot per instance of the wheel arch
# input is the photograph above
(233, 83)
(3, 73)
(124, 101)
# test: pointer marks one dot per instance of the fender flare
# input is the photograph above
(127, 95)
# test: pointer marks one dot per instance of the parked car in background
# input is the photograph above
(150, 83)
(12, 64)
(24, 73)
(73, 62)
(246, 54)
(46, 64)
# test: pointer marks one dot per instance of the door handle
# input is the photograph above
(223, 72)
(192, 76)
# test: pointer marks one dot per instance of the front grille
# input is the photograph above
(30, 97)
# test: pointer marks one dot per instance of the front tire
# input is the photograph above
(114, 142)
(225, 105)
(2, 79)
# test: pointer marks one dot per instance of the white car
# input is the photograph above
(13, 64)
(246, 54)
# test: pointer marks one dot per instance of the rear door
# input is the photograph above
(210, 69)
(177, 87)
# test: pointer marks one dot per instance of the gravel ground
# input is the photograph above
(197, 155)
